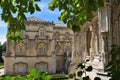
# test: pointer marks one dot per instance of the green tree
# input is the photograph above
(113, 66)
(75, 13)
(2, 48)
(13, 13)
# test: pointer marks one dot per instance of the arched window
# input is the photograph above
(20, 67)
(56, 36)
(42, 67)
(67, 35)
(20, 49)
(42, 49)
(42, 33)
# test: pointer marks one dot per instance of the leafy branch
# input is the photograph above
(113, 66)
(13, 13)
(75, 13)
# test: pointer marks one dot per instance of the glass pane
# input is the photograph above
(42, 67)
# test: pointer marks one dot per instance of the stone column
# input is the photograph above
(53, 63)
(94, 42)
(104, 50)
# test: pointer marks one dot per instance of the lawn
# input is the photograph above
(1, 65)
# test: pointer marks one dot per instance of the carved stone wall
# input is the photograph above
(43, 48)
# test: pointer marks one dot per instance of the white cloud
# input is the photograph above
(2, 38)
(52, 12)
(44, 8)
(43, 5)
(3, 27)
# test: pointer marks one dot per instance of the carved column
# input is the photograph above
(104, 50)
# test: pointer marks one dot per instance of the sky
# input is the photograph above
(44, 14)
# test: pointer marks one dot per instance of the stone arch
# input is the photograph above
(20, 49)
(21, 68)
(42, 66)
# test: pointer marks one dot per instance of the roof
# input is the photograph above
(61, 25)
(34, 19)
(37, 20)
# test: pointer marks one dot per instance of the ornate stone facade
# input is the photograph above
(94, 40)
(46, 46)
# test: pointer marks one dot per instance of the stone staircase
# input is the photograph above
(98, 68)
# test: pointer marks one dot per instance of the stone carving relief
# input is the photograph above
(31, 43)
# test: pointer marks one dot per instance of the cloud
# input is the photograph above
(44, 8)
(43, 5)
(52, 12)
(3, 28)
(2, 39)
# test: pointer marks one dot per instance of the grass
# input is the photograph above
(1, 65)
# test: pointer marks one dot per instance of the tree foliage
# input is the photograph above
(113, 66)
(13, 13)
(2, 49)
(75, 12)
(34, 74)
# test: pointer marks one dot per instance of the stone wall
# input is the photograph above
(44, 46)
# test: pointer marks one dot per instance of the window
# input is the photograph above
(104, 18)
(42, 33)
(42, 51)
(42, 67)
(20, 49)
(20, 67)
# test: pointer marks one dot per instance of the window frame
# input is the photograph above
(42, 51)
(20, 49)
(18, 65)
(37, 65)
(42, 33)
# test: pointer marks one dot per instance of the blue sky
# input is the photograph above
(45, 14)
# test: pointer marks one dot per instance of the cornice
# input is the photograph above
(36, 21)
